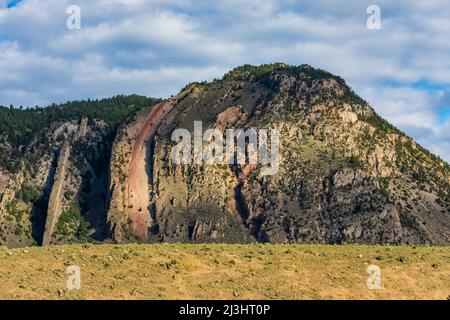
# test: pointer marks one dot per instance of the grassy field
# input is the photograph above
(255, 271)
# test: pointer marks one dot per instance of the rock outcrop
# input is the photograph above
(82, 129)
(3, 185)
(55, 201)
(131, 178)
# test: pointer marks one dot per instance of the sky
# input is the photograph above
(156, 47)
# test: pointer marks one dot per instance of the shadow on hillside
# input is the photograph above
(38, 215)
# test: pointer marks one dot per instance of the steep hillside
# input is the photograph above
(31, 140)
(345, 175)
(130, 172)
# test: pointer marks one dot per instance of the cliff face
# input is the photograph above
(54, 204)
(62, 196)
(131, 178)
(344, 174)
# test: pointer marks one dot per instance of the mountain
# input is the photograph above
(104, 171)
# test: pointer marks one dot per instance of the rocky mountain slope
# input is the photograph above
(345, 174)
(69, 196)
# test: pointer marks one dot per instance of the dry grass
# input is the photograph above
(186, 271)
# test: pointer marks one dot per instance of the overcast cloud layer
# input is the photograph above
(156, 47)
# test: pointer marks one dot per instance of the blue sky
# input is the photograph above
(12, 3)
(155, 47)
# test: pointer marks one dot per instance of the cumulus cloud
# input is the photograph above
(155, 47)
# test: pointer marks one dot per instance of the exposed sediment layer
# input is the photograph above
(54, 204)
(130, 198)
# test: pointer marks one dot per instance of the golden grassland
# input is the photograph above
(219, 271)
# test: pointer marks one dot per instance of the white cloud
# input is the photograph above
(403, 106)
